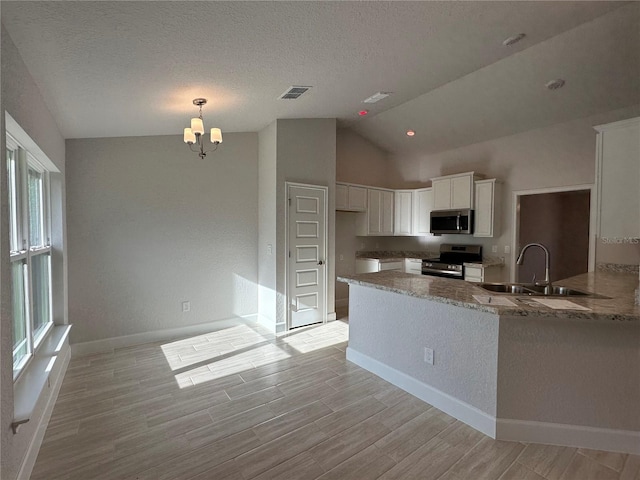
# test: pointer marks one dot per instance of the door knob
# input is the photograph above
(320, 262)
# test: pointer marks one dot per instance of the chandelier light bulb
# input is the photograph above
(193, 136)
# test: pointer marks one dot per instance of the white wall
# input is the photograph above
(152, 225)
(306, 153)
(22, 99)
(267, 167)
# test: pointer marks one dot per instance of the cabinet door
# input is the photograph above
(461, 188)
(386, 220)
(422, 211)
(484, 209)
(342, 202)
(403, 213)
(357, 198)
(374, 212)
(619, 171)
(442, 194)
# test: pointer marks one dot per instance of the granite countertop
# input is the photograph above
(620, 287)
(486, 262)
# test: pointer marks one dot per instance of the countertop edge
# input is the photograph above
(541, 312)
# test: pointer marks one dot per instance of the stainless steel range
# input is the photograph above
(450, 262)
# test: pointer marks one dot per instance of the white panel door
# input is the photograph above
(461, 188)
(307, 240)
(386, 212)
(404, 213)
(422, 211)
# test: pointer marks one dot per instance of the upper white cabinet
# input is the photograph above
(379, 217)
(618, 177)
(453, 191)
(487, 214)
(351, 198)
(403, 218)
(422, 206)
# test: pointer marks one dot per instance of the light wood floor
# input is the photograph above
(243, 404)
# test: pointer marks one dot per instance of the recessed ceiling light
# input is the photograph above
(410, 133)
(555, 84)
(376, 97)
(362, 113)
(507, 42)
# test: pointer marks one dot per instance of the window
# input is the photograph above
(29, 214)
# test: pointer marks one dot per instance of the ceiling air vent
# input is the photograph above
(293, 92)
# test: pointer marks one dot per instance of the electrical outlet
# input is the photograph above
(507, 249)
(428, 355)
(186, 306)
(494, 249)
(341, 258)
(269, 249)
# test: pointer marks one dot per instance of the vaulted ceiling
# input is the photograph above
(111, 68)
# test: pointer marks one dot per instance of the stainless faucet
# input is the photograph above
(547, 278)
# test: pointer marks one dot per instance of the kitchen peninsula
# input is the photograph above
(525, 372)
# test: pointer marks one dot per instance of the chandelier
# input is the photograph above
(193, 135)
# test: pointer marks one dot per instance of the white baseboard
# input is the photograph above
(331, 316)
(464, 412)
(577, 436)
(34, 446)
(622, 441)
(342, 302)
(109, 344)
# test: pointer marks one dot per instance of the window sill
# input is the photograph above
(35, 378)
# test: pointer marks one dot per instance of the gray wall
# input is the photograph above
(22, 99)
(152, 225)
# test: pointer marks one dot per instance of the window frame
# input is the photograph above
(22, 160)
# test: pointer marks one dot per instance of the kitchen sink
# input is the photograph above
(535, 290)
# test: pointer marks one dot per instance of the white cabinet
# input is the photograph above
(480, 273)
(379, 212)
(422, 206)
(403, 217)
(618, 177)
(413, 266)
(370, 265)
(453, 191)
(351, 198)
(487, 208)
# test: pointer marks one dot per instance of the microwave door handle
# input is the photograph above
(458, 222)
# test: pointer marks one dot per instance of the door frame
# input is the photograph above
(538, 191)
(288, 186)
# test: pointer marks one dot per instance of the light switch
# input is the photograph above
(507, 249)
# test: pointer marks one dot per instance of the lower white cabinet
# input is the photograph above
(370, 265)
(413, 265)
(487, 212)
(480, 273)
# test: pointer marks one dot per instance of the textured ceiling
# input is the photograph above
(111, 68)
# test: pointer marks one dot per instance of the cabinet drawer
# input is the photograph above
(390, 266)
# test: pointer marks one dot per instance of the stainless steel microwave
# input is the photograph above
(452, 221)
